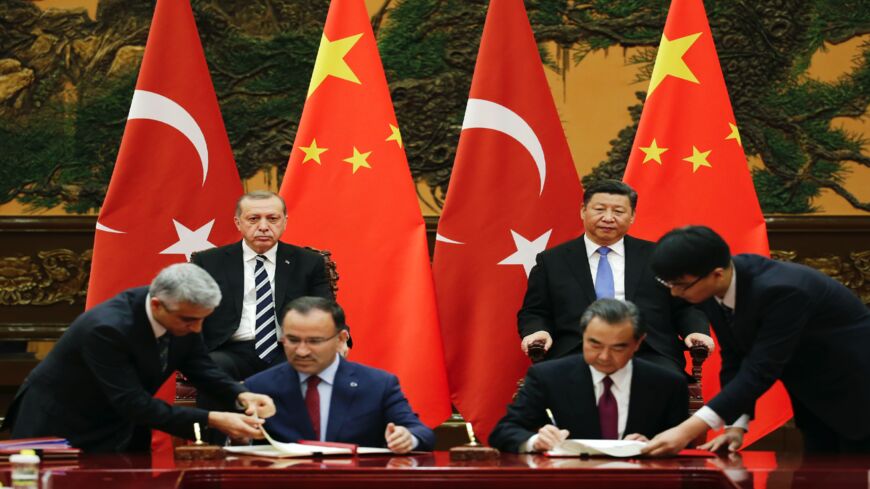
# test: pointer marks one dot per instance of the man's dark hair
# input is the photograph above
(304, 305)
(690, 250)
(610, 187)
(612, 311)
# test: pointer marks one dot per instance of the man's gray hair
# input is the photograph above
(259, 195)
(186, 282)
(612, 311)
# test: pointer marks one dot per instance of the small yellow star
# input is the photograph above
(735, 134)
(698, 159)
(358, 159)
(669, 61)
(653, 152)
(330, 61)
(395, 135)
(312, 152)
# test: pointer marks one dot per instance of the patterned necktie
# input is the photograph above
(604, 288)
(312, 402)
(608, 413)
(265, 333)
(727, 313)
(163, 351)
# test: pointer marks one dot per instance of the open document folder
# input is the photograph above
(607, 448)
(277, 449)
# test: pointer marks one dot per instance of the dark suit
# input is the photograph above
(659, 400)
(364, 400)
(560, 288)
(795, 324)
(298, 272)
(95, 388)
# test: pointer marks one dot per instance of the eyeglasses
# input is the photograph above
(312, 342)
(681, 287)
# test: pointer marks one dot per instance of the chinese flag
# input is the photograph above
(514, 192)
(349, 190)
(688, 166)
(175, 183)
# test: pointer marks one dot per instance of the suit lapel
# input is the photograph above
(235, 271)
(283, 263)
(634, 266)
(639, 396)
(578, 263)
(581, 400)
(344, 390)
(143, 334)
(742, 327)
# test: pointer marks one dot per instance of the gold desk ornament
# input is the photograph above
(473, 451)
(198, 450)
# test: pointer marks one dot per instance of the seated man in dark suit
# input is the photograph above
(95, 387)
(321, 396)
(603, 394)
(774, 321)
(606, 263)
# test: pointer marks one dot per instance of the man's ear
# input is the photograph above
(237, 222)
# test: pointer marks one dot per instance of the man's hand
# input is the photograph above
(731, 440)
(635, 437)
(257, 405)
(700, 339)
(399, 439)
(549, 437)
(235, 425)
(671, 441)
(537, 335)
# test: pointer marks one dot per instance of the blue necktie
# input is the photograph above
(604, 288)
(265, 334)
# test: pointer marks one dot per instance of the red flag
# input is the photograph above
(175, 182)
(349, 190)
(688, 166)
(514, 192)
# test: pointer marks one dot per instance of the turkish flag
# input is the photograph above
(688, 166)
(514, 192)
(175, 183)
(349, 190)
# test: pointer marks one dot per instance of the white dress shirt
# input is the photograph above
(621, 390)
(247, 325)
(616, 258)
(713, 420)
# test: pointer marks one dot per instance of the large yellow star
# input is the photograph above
(395, 135)
(330, 61)
(312, 152)
(653, 152)
(358, 159)
(698, 159)
(669, 61)
(735, 134)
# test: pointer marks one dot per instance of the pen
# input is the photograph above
(552, 419)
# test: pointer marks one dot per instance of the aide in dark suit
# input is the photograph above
(95, 387)
(649, 398)
(354, 403)
(563, 284)
(774, 321)
(229, 333)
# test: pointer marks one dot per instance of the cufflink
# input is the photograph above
(353, 384)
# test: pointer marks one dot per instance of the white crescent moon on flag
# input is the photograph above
(150, 105)
(483, 114)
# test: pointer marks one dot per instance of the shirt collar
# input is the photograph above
(592, 247)
(326, 375)
(730, 299)
(620, 378)
(158, 328)
(249, 254)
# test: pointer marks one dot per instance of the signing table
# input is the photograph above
(755, 470)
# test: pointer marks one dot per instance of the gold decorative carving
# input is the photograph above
(853, 272)
(54, 276)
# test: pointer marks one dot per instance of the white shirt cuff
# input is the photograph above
(707, 415)
(528, 446)
(742, 422)
(414, 442)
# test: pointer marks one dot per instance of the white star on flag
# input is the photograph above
(526, 250)
(190, 241)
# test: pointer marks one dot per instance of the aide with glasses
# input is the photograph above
(319, 395)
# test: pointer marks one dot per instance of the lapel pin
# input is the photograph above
(287, 262)
(353, 384)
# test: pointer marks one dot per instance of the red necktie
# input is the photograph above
(312, 402)
(608, 413)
